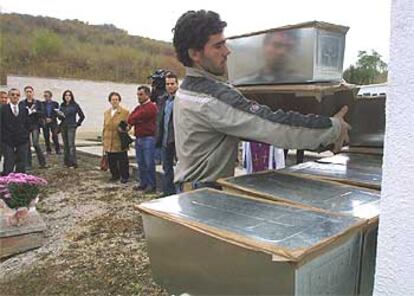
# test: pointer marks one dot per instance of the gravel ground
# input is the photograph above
(95, 243)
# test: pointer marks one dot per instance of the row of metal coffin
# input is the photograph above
(271, 233)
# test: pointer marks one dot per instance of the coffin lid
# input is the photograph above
(320, 195)
(356, 175)
(312, 24)
(286, 232)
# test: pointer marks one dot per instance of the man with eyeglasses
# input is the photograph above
(15, 134)
(49, 107)
(36, 115)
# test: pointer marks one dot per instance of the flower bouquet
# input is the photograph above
(18, 196)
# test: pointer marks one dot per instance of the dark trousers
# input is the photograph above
(167, 158)
(51, 128)
(34, 135)
(69, 148)
(119, 165)
(300, 155)
(15, 158)
(144, 153)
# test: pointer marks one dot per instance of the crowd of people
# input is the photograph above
(152, 124)
(198, 126)
(21, 123)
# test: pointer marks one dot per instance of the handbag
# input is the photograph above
(104, 163)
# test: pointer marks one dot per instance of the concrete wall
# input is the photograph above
(395, 257)
(91, 95)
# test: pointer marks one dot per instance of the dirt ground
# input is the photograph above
(95, 242)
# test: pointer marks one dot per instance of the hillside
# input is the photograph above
(49, 47)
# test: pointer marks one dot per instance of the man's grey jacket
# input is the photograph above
(210, 117)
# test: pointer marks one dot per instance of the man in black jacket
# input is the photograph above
(50, 108)
(36, 118)
(165, 133)
(15, 134)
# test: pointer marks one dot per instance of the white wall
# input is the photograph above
(91, 95)
(395, 256)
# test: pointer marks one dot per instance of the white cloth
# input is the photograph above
(113, 111)
(15, 109)
(276, 158)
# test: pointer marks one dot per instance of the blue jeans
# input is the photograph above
(145, 155)
(69, 148)
(167, 157)
(35, 142)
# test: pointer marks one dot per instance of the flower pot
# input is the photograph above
(21, 229)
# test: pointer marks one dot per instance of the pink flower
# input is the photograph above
(20, 178)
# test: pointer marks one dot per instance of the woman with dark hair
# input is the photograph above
(72, 116)
(111, 135)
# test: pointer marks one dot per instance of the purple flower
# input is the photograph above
(19, 190)
(20, 178)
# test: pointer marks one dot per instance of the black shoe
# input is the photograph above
(58, 152)
(140, 188)
(150, 190)
(113, 179)
(44, 166)
(49, 152)
(123, 181)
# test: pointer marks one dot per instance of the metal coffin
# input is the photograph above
(353, 169)
(307, 52)
(368, 122)
(320, 195)
(208, 242)
(354, 160)
(314, 98)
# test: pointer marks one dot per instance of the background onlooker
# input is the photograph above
(117, 156)
(165, 134)
(50, 108)
(143, 118)
(36, 120)
(15, 134)
(72, 116)
(4, 99)
(158, 93)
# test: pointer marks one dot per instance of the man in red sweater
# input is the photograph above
(143, 118)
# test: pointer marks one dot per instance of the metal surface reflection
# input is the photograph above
(354, 160)
(358, 202)
(309, 52)
(280, 225)
(365, 176)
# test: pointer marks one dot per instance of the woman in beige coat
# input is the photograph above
(117, 158)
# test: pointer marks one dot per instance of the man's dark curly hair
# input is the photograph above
(192, 30)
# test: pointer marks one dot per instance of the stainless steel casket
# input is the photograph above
(208, 242)
(355, 169)
(322, 99)
(319, 195)
(302, 53)
(368, 122)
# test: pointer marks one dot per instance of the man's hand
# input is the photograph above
(345, 127)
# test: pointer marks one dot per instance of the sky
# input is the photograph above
(369, 20)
